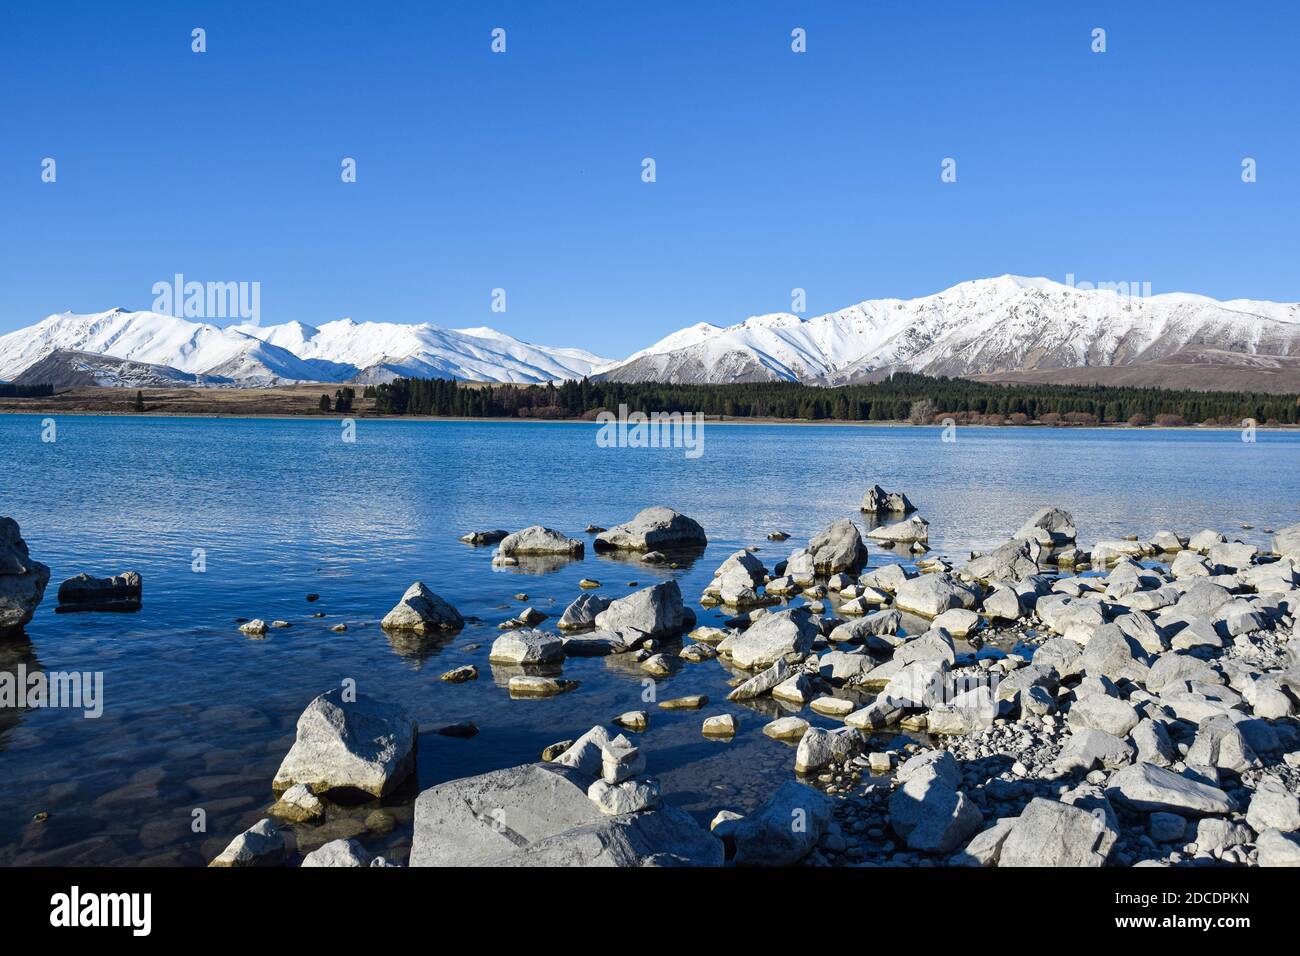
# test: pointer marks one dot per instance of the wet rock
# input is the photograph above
(255, 627)
(879, 501)
(911, 529)
(459, 675)
(537, 540)
(634, 720)
(1013, 560)
(582, 612)
(298, 805)
(484, 537)
(524, 686)
(838, 548)
(931, 594)
(774, 637)
(690, 702)
(526, 647)
(654, 612)
(1049, 526)
(820, 748)
(723, 725)
(422, 611)
(786, 728)
(121, 592)
(653, 529)
(22, 579)
(366, 744)
(262, 844)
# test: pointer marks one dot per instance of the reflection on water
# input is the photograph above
(198, 716)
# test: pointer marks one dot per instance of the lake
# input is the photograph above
(197, 716)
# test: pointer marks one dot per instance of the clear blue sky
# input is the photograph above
(523, 170)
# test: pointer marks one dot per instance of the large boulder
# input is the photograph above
(653, 529)
(1014, 560)
(540, 815)
(422, 611)
(774, 637)
(22, 580)
(819, 748)
(785, 829)
(364, 744)
(665, 836)
(929, 595)
(654, 611)
(838, 548)
(1286, 541)
(1148, 788)
(1049, 526)
(906, 531)
(526, 646)
(879, 501)
(928, 810)
(581, 614)
(537, 540)
(1048, 833)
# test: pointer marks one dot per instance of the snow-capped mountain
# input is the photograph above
(1006, 328)
(339, 351)
(978, 328)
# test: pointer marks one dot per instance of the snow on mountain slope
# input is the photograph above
(984, 326)
(482, 355)
(292, 352)
(69, 369)
(154, 339)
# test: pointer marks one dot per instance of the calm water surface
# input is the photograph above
(197, 716)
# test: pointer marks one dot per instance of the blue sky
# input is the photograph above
(522, 171)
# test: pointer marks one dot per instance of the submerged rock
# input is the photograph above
(365, 744)
(121, 592)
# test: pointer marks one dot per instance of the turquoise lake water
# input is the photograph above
(197, 716)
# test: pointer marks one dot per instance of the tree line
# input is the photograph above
(904, 396)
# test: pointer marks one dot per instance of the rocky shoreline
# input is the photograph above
(1040, 704)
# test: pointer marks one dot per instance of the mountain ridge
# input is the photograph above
(1006, 327)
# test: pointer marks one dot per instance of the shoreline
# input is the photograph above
(798, 422)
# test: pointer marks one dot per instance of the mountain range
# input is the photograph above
(1007, 328)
